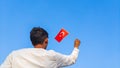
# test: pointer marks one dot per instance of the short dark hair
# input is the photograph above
(38, 35)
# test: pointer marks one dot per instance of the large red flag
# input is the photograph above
(62, 34)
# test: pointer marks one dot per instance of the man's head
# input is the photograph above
(39, 37)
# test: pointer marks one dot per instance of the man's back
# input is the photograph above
(38, 58)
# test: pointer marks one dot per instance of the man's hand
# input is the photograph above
(76, 43)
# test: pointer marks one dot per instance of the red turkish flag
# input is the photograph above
(62, 34)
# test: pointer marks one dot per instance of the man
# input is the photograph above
(39, 57)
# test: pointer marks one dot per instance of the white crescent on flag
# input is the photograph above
(62, 34)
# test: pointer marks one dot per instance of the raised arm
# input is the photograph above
(65, 60)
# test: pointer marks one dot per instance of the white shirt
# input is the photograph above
(39, 58)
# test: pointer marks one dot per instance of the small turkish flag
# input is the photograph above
(62, 34)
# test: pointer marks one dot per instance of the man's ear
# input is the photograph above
(46, 41)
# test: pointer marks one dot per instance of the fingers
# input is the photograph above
(77, 43)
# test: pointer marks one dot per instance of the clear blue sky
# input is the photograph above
(95, 22)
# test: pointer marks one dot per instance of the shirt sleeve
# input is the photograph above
(65, 60)
(8, 62)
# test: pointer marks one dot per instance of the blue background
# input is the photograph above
(95, 22)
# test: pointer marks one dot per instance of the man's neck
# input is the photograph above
(38, 46)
